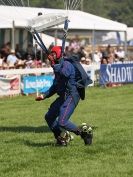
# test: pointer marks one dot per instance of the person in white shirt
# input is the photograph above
(12, 59)
(120, 53)
(97, 57)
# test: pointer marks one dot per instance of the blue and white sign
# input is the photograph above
(90, 72)
(116, 73)
(33, 84)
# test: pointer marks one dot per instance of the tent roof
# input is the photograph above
(78, 19)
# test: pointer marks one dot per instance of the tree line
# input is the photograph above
(117, 10)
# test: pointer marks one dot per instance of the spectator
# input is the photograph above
(103, 52)
(5, 66)
(75, 43)
(29, 62)
(97, 57)
(19, 52)
(104, 61)
(6, 49)
(11, 66)
(12, 59)
(68, 51)
(88, 61)
(83, 52)
(20, 64)
(37, 62)
(120, 53)
(83, 61)
(110, 59)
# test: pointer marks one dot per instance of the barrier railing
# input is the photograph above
(11, 81)
(26, 71)
(17, 81)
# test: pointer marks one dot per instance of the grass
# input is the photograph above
(27, 146)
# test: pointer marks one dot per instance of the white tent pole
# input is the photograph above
(93, 43)
(125, 44)
(56, 31)
(13, 35)
(39, 14)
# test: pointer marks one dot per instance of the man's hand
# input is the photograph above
(40, 98)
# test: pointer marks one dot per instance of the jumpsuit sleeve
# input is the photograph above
(51, 91)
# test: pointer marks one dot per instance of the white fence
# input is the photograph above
(12, 84)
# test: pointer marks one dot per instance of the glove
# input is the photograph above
(51, 59)
(40, 98)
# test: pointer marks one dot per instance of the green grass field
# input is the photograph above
(27, 146)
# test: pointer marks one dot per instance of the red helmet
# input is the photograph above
(57, 50)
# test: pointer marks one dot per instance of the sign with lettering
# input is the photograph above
(33, 84)
(116, 73)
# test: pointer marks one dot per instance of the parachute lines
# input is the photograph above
(72, 4)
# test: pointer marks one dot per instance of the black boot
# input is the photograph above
(86, 133)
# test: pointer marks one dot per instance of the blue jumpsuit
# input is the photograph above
(62, 108)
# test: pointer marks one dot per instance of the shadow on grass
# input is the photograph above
(33, 144)
(25, 129)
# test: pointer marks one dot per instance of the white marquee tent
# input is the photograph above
(78, 19)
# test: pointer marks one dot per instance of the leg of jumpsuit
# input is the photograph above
(52, 115)
(66, 110)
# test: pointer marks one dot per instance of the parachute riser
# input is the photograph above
(65, 35)
(40, 42)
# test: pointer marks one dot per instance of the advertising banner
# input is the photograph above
(33, 84)
(90, 71)
(116, 73)
(10, 85)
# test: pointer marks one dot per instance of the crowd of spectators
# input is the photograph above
(100, 55)
(18, 58)
(111, 55)
(33, 57)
